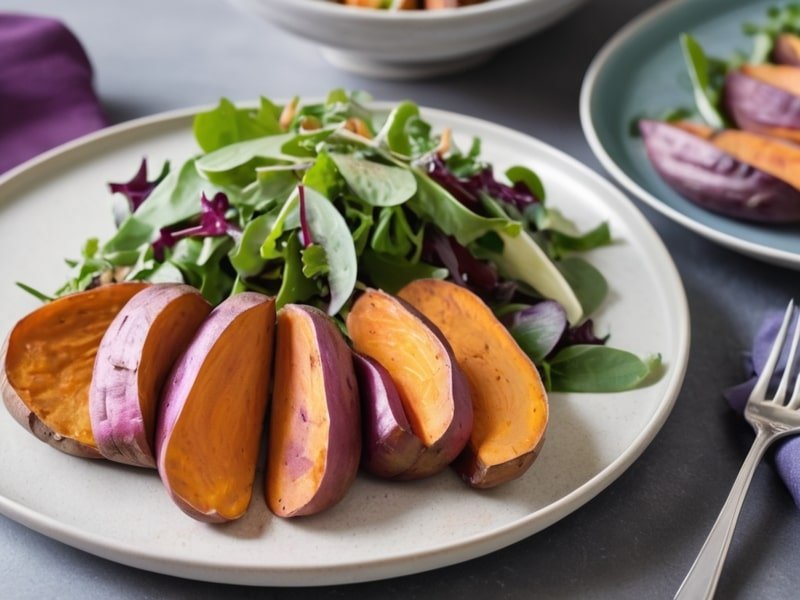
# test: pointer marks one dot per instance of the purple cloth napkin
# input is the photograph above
(46, 95)
(787, 453)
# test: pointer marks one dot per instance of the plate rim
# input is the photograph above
(588, 87)
(464, 549)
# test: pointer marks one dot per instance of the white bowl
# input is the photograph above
(405, 44)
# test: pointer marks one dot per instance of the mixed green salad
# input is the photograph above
(707, 73)
(312, 203)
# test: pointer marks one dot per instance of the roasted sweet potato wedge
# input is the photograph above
(402, 4)
(315, 425)
(765, 99)
(135, 356)
(509, 400)
(390, 447)
(437, 4)
(212, 412)
(433, 389)
(775, 157)
(48, 362)
(786, 50)
(711, 172)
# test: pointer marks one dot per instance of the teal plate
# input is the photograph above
(639, 72)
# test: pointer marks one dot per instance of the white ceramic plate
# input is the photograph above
(51, 205)
(641, 71)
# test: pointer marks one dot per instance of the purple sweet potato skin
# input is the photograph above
(758, 106)
(440, 454)
(390, 447)
(716, 181)
(184, 372)
(783, 52)
(343, 450)
(119, 425)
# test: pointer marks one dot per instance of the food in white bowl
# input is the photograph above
(403, 44)
(409, 4)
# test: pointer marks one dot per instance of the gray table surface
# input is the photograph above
(639, 536)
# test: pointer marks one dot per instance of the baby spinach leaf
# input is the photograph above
(595, 238)
(324, 176)
(287, 213)
(586, 281)
(435, 204)
(374, 183)
(131, 234)
(393, 234)
(705, 96)
(329, 230)
(599, 369)
(338, 95)
(359, 218)
(394, 130)
(405, 133)
(531, 180)
(271, 188)
(235, 155)
(315, 262)
(246, 257)
(466, 165)
(226, 124)
(164, 273)
(201, 263)
(295, 287)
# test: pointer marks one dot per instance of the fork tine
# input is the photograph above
(780, 393)
(794, 402)
(760, 390)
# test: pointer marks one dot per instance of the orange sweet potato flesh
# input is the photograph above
(786, 50)
(702, 131)
(420, 362)
(411, 355)
(315, 425)
(779, 158)
(437, 4)
(49, 361)
(403, 5)
(212, 412)
(297, 367)
(508, 398)
(783, 77)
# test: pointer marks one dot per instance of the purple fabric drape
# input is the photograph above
(787, 453)
(46, 93)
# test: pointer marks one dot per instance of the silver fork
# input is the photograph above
(772, 418)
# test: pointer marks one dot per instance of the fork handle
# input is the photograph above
(701, 581)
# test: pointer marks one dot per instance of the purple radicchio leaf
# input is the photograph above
(468, 191)
(458, 188)
(582, 334)
(305, 230)
(787, 453)
(212, 224)
(542, 330)
(139, 188)
(538, 329)
(465, 270)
